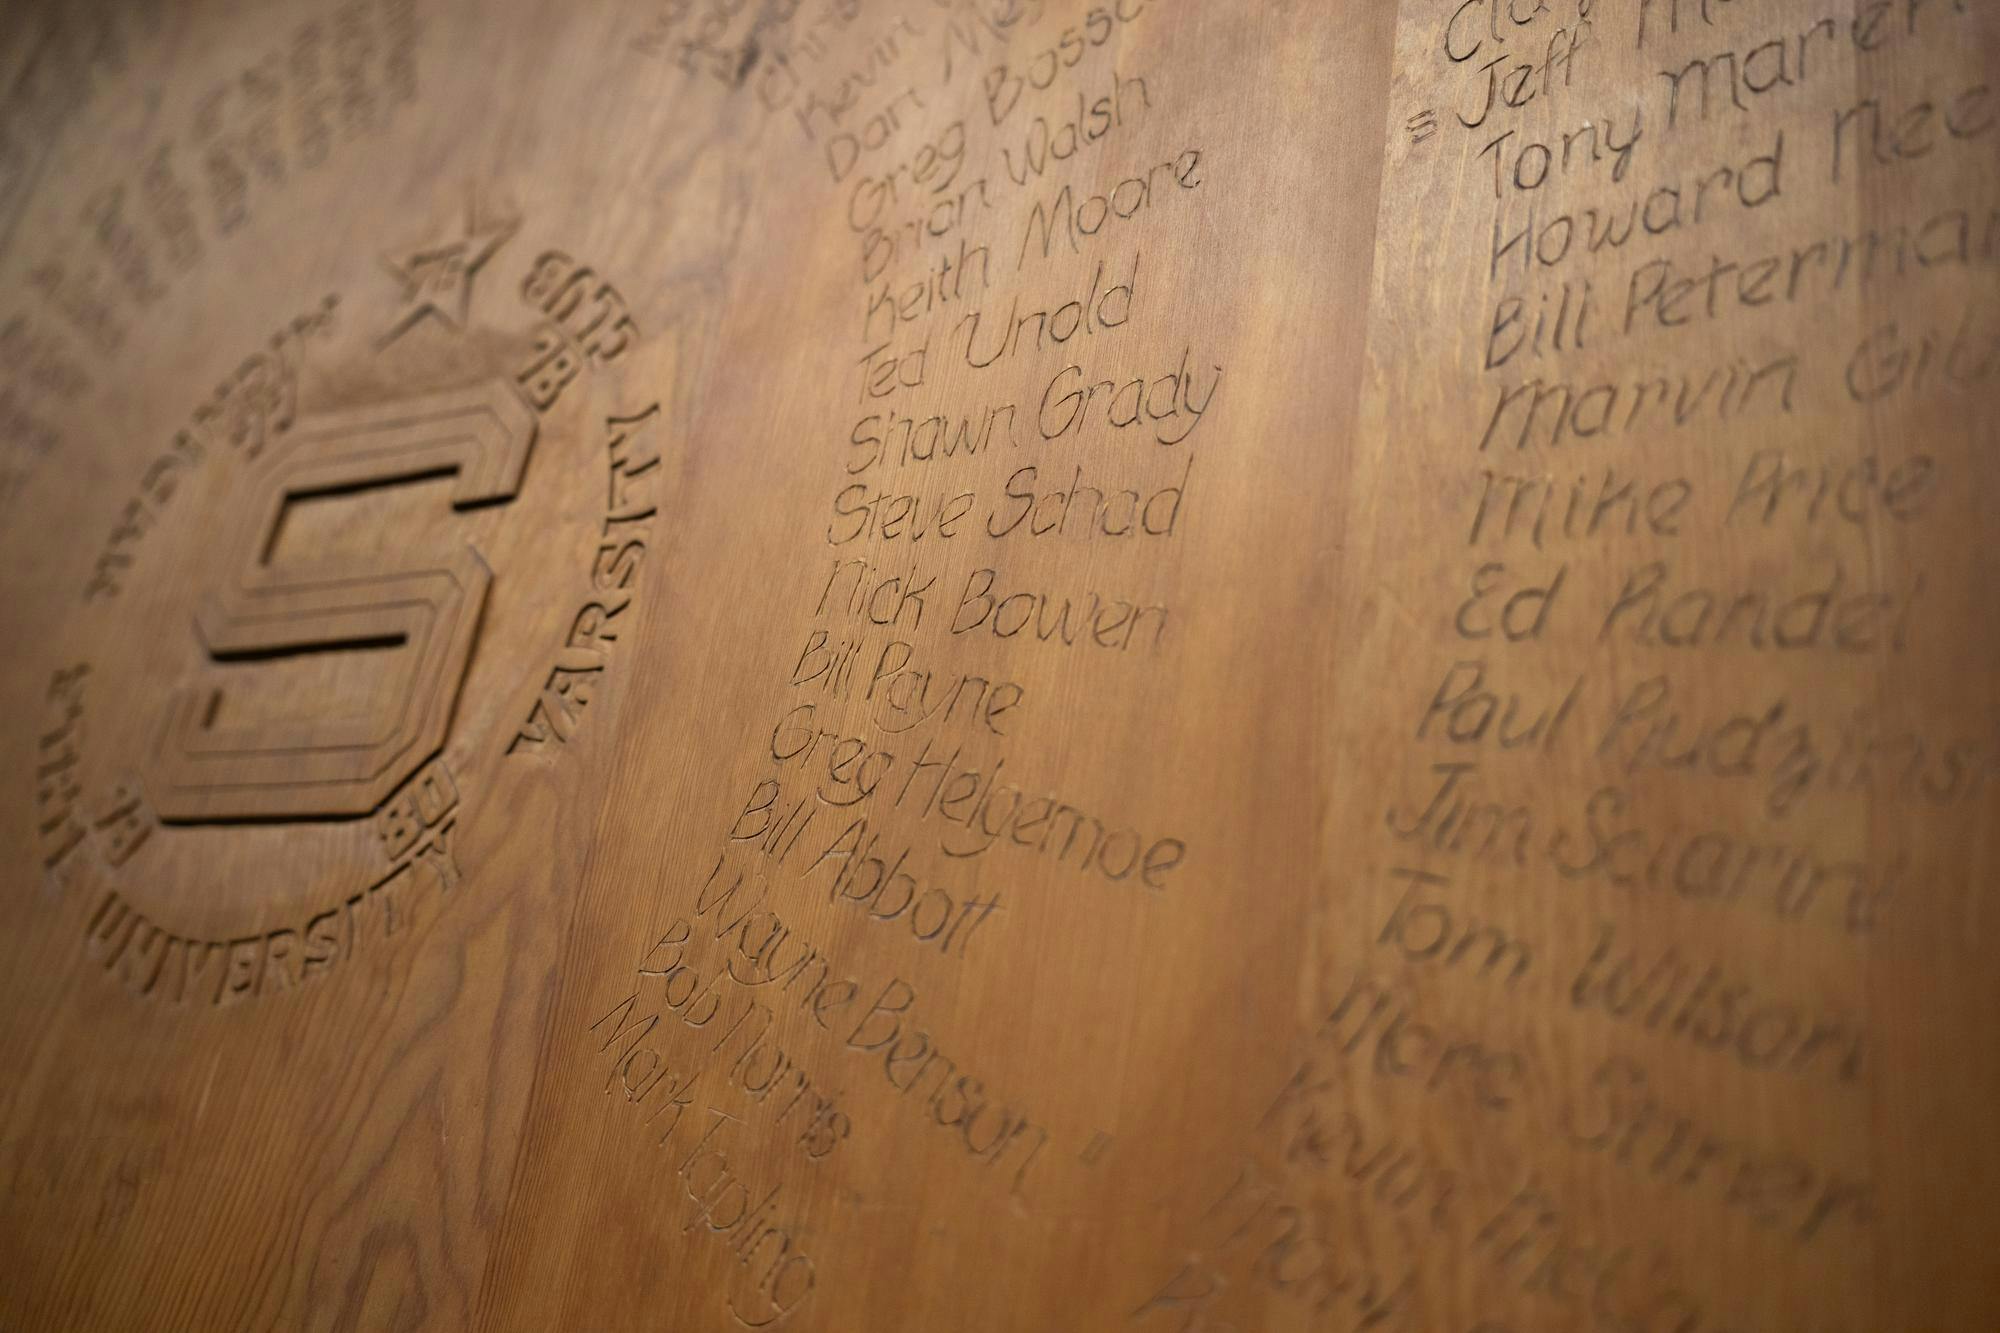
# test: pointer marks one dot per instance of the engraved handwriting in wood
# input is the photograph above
(999, 665)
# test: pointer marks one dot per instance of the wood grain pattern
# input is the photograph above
(999, 665)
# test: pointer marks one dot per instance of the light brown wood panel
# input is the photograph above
(999, 665)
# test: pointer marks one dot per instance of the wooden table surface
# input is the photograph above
(1170, 665)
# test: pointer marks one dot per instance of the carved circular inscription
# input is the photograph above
(387, 559)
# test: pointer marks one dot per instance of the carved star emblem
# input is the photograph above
(437, 279)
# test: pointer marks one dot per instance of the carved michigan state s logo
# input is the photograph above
(382, 569)
(426, 603)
